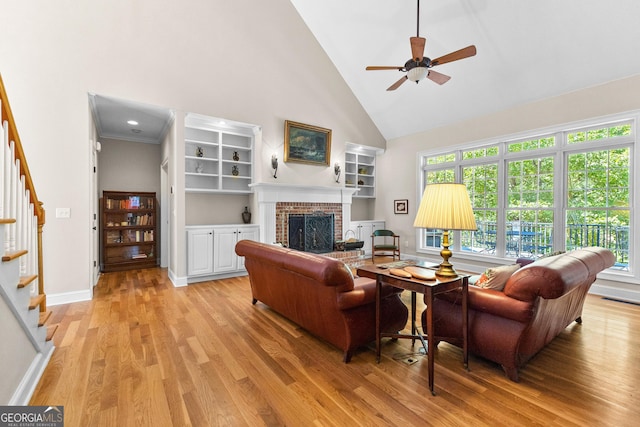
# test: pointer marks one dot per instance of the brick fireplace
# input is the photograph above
(276, 201)
(286, 210)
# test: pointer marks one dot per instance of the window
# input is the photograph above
(562, 190)
(598, 202)
(482, 184)
(530, 203)
(439, 170)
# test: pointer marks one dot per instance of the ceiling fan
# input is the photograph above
(419, 66)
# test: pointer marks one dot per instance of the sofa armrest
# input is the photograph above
(492, 302)
(548, 278)
(364, 292)
(499, 304)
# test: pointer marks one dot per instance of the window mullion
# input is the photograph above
(560, 187)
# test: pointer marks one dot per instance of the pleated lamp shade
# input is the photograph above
(446, 207)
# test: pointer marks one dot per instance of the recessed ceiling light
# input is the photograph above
(132, 123)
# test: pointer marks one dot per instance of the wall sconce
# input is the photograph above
(336, 170)
(274, 165)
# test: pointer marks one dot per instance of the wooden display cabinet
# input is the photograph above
(129, 234)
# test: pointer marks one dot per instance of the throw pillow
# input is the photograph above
(496, 277)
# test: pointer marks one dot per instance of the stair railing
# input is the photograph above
(18, 199)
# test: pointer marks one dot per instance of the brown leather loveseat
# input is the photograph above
(539, 300)
(320, 294)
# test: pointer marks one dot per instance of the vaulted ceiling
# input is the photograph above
(527, 51)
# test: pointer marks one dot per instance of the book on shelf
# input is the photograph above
(132, 202)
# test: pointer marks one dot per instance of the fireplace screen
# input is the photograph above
(311, 232)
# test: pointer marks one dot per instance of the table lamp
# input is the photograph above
(446, 207)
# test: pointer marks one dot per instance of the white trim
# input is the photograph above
(267, 195)
(69, 297)
(615, 293)
(178, 282)
(23, 393)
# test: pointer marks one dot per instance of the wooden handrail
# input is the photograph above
(24, 171)
(24, 168)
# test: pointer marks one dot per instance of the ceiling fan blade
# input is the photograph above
(417, 48)
(455, 56)
(384, 67)
(397, 84)
(438, 77)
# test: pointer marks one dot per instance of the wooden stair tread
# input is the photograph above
(34, 302)
(51, 330)
(7, 221)
(25, 280)
(10, 256)
(44, 316)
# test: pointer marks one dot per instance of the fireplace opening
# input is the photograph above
(311, 232)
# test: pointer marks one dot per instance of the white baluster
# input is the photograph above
(6, 182)
(34, 246)
(13, 196)
(22, 223)
(3, 141)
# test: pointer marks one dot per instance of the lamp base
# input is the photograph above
(446, 270)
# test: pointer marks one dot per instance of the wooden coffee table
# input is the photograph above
(430, 288)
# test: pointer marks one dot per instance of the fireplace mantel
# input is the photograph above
(268, 194)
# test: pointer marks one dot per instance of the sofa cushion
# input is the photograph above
(496, 277)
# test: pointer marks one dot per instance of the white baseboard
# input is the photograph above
(69, 297)
(27, 386)
(178, 282)
(616, 293)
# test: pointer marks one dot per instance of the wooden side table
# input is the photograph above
(430, 289)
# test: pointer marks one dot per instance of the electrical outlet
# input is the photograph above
(410, 360)
(63, 212)
(406, 243)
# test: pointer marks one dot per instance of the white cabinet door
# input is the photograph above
(365, 232)
(364, 229)
(224, 255)
(246, 233)
(199, 251)
(377, 225)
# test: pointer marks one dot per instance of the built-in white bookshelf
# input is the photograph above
(218, 156)
(360, 170)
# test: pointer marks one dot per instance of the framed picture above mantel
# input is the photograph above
(306, 143)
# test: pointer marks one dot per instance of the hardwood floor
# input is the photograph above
(145, 353)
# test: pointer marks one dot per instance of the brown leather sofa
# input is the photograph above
(321, 295)
(538, 301)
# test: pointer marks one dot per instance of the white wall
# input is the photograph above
(129, 166)
(203, 209)
(254, 62)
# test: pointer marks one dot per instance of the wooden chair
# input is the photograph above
(385, 246)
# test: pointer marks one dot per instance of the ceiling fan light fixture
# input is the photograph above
(417, 73)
